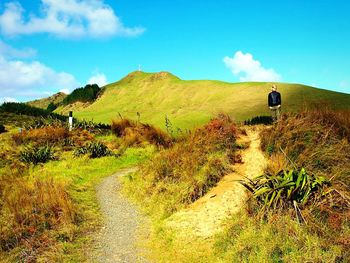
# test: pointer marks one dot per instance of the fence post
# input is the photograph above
(70, 120)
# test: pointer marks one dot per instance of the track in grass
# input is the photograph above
(206, 216)
(119, 237)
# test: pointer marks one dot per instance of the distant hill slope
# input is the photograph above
(191, 103)
(43, 103)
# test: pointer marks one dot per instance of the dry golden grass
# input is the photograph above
(33, 214)
(135, 133)
(276, 164)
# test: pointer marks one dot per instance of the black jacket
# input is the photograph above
(274, 99)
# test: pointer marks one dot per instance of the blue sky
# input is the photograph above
(52, 45)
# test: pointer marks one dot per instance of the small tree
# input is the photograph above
(2, 128)
(51, 107)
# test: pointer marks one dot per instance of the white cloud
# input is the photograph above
(248, 69)
(66, 19)
(7, 99)
(99, 79)
(65, 91)
(8, 51)
(31, 79)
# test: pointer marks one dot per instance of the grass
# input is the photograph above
(248, 239)
(190, 104)
(276, 239)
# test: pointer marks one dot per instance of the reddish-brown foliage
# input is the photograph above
(136, 133)
(42, 135)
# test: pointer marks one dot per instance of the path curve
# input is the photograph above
(206, 216)
(118, 238)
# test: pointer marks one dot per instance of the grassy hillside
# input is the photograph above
(43, 103)
(191, 103)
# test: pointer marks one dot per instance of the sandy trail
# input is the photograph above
(206, 216)
(119, 237)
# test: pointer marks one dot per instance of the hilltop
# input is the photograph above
(189, 103)
(43, 103)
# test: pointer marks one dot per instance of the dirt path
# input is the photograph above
(117, 241)
(204, 217)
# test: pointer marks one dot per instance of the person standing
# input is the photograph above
(275, 101)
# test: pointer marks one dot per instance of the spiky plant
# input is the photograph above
(37, 155)
(287, 189)
(95, 149)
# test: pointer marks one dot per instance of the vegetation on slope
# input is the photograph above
(44, 103)
(190, 104)
(186, 171)
(24, 109)
(135, 133)
(88, 93)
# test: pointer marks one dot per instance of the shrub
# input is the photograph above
(90, 125)
(95, 149)
(37, 155)
(136, 133)
(266, 120)
(51, 107)
(286, 188)
(45, 135)
(86, 94)
(22, 108)
(2, 128)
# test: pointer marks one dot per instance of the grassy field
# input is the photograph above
(192, 103)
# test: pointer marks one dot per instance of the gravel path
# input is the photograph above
(117, 240)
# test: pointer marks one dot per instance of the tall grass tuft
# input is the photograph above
(136, 133)
(49, 134)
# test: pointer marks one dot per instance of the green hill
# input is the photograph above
(43, 103)
(191, 103)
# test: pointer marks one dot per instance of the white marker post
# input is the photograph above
(70, 120)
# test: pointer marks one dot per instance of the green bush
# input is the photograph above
(2, 128)
(22, 108)
(86, 94)
(51, 107)
(37, 155)
(95, 149)
(266, 120)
